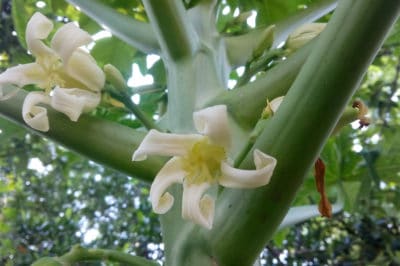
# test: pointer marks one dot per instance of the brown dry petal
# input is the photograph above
(324, 206)
(363, 110)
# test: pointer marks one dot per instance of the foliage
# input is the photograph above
(49, 206)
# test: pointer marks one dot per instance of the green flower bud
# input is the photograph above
(357, 111)
(272, 107)
(266, 42)
(243, 17)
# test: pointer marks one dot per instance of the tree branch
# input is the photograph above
(298, 131)
(79, 254)
(253, 96)
(102, 141)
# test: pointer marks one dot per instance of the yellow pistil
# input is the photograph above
(203, 162)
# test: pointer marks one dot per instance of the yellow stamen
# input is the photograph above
(51, 65)
(203, 162)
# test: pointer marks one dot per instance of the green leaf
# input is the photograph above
(388, 163)
(116, 52)
(21, 12)
(134, 32)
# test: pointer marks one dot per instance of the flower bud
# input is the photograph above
(266, 42)
(272, 107)
(303, 35)
(114, 76)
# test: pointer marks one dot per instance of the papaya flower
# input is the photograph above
(200, 161)
(68, 76)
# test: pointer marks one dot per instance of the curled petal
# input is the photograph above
(82, 67)
(36, 116)
(17, 77)
(166, 144)
(196, 207)
(73, 102)
(37, 29)
(171, 173)
(213, 122)
(67, 39)
(239, 178)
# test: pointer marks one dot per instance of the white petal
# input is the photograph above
(275, 103)
(36, 116)
(239, 178)
(73, 102)
(82, 67)
(171, 173)
(213, 122)
(19, 76)
(37, 29)
(67, 39)
(166, 144)
(196, 207)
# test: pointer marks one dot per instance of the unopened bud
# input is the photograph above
(272, 107)
(243, 17)
(357, 111)
(303, 35)
(114, 76)
(266, 41)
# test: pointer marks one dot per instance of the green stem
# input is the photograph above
(308, 15)
(299, 129)
(105, 142)
(174, 31)
(139, 114)
(258, 65)
(79, 254)
(136, 33)
(153, 88)
(245, 104)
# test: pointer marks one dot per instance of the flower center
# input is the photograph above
(52, 66)
(203, 162)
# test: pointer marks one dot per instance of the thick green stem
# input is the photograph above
(245, 104)
(174, 31)
(297, 132)
(80, 254)
(102, 141)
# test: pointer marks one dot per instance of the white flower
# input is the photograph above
(71, 71)
(199, 161)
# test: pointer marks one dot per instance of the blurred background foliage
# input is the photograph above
(52, 198)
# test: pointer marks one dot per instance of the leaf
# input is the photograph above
(388, 163)
(134, 32)
(303, 213)
(116, 52)
(21, 12)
